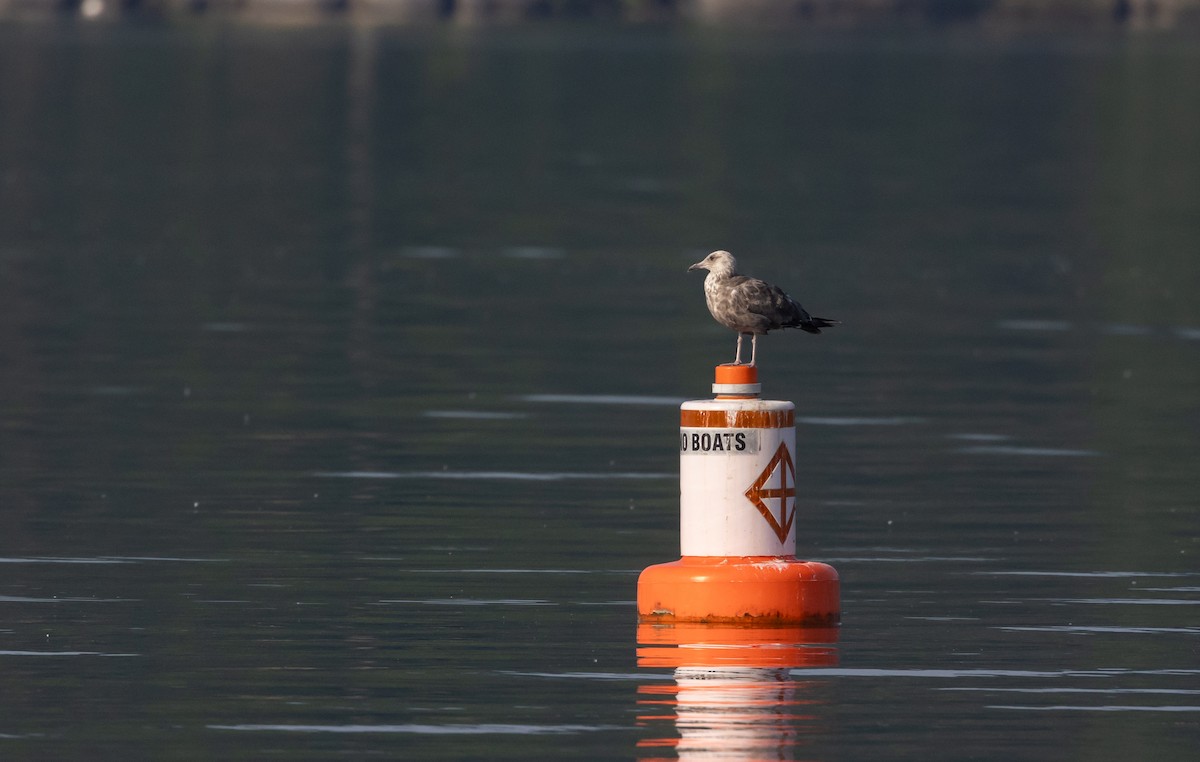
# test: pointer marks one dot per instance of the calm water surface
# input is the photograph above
(340, 369)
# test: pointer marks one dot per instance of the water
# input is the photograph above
(341, 371)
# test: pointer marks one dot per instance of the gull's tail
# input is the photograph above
(815, 324)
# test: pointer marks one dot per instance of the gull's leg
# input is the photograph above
(737, 357)
(753, 348)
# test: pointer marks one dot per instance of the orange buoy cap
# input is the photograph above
(736, 381)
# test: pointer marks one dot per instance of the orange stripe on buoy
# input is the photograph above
(737, 419)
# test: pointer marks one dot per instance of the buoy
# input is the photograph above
(737, 519)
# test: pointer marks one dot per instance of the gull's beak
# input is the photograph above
(698, 266)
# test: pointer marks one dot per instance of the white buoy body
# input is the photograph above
(737, 478)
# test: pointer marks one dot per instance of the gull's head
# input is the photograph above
(717, 263)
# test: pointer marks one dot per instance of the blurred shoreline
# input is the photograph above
(1019, 14)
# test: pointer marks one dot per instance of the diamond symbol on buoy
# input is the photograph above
(759, 493)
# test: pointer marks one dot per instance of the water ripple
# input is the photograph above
(906, 559)
(969, 437)
(511, 571)
(54, 560)
(1036, 325)
(533, 252)
(61, 653)
(417, 729)
(1105, 691)
(1113, 629)
(1101, 574)
(1129, 601)
(65, 599)
(858, 421)
(1126, 708)
(1187, 333)
(604, 399)
(979, 672)
(429, 252)
(473, 602)
(104, 560)
(1048, 452)
(529, 476)
(620, 676)
(474, 415)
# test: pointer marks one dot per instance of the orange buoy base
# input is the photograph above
(758, 590)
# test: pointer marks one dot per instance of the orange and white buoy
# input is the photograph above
(737, 506)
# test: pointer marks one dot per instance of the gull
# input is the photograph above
(750, 306)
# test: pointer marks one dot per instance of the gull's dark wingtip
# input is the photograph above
(814, 325)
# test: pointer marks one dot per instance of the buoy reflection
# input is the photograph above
(734, 695)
